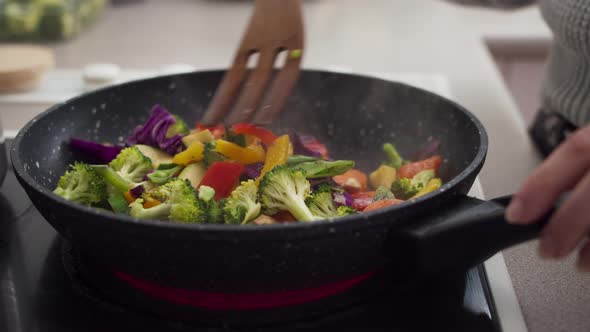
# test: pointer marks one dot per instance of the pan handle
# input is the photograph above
(466, 234)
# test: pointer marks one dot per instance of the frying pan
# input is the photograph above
(242, 271)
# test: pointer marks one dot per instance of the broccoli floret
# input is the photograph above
(395, 159)
(420, 180)
(321, 203)
(345, 210)
(131, 164)
(383, 193)
(242, 206)
(178, 128)
(210, 155)
(286, 189)
(179, 204)
(403, 188)
(81, 184)
(406, 188)
(214, 210)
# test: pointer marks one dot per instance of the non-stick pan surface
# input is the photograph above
(352, 115)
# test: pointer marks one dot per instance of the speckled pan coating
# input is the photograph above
(353, 115)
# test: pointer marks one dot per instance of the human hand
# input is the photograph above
(566, 169)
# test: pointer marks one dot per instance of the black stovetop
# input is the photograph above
(38, 293)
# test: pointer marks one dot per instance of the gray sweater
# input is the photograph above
(567, 83)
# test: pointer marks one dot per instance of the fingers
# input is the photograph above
(559, 173)
(570, 224)
(583, 263)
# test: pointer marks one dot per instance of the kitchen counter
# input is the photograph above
(373, 36)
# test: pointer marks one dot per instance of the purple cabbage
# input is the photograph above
(137, 191)
(429, 150)
(95, 152)
(145, 177)
(342, 197)
(339, 195)
(153, 132)
(299, 140)
(252, 171)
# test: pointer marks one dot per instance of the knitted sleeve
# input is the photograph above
(569, 20)
(496, 3)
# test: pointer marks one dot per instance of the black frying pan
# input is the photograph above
(228, 270)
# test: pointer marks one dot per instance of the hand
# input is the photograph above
(566, 169)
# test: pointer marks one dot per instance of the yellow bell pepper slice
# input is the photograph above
(202, 136)
(431, 186)
(243, 155)
(276, 154)
(192, 154)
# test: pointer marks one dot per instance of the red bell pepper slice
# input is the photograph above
(223, 177)
(265, 135)
(316, 146)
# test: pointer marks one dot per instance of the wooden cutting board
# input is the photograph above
(22, 66)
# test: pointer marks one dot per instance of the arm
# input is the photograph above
(495, 3)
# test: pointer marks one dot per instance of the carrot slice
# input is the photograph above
(352, 181)
(381, 204)
(413, 168)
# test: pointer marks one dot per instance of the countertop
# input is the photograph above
(373, 36)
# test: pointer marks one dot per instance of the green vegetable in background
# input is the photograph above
(322, 168)
(395, 159)
(298, 159)
(55, 21)
(164, 173)
(21, 19)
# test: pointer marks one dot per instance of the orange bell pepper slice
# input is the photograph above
(276, 155)
(149, 202)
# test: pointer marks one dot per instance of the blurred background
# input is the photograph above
(491, 61)
(178, 35)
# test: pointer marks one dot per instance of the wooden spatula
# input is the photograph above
(276, 26)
